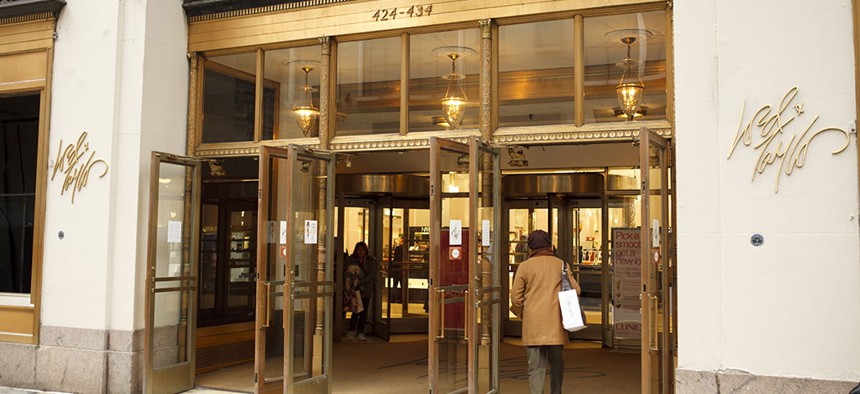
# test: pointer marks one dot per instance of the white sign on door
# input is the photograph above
(455, 232)
(485, 233)
(310, 232)
(283, 232)
(174, 231)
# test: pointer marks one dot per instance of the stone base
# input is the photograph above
(75, 360)
(732, 381)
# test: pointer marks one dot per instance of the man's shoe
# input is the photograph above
(351, 335)
(361, 337)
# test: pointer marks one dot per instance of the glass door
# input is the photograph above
(484, 296)
(309, 287)
(448, 352)
(657, 265)
(271, 269)
(171, 276)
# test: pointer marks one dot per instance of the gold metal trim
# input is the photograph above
(583, 136)
(267, 9)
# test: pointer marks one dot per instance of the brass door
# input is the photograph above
(449, 352)
(171, 275)
(271, 273)
(485, 291)
(658, 303)
(309, 285)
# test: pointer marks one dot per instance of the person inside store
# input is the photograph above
(534, 299)
(396, 270)
(366, 275)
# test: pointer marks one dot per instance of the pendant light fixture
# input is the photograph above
(455, 100)
(306, 113)
(630, 87)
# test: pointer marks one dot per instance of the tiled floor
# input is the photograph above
(400, 366)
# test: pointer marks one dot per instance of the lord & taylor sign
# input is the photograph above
(770, 123)
(75, 167)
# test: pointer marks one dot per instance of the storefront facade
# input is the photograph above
(757, 118)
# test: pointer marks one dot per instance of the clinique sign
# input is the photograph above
(75, 161)
(771, 123)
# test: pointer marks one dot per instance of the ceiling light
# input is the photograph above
(304, 110)
(455, 100)
(630, 87)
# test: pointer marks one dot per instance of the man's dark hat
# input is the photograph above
(539, 239)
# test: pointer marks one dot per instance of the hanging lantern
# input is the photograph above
(304, 110)
(630, 87)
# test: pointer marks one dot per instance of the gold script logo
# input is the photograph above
(69, 162)
(771, 122)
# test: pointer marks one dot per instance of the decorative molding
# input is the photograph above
(262, 10)
(192, 103)
(13, 11)
(486, 79)
(324, 120)
(579, 136)
(422, 140)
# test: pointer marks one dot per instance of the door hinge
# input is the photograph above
(255, 377)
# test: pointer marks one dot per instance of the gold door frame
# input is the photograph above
(179, 376)
(264, 290)
(657, 346)
(480, 295)
(321, 289)
(437, 309)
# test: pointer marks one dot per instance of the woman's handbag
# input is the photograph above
(572, 315)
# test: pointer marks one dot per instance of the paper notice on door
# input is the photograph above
(310, 232)
(455, 232)
(174, 231)
(283, 232)
(485, 233)
(655, 233)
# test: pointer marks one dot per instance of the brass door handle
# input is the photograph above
(440, 293)
(652, 310)
(267, 288)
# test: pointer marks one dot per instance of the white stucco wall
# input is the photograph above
(790, 307)
(120, 72)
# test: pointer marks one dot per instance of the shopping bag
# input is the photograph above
(571, 313)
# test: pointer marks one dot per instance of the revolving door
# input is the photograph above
(390, 212)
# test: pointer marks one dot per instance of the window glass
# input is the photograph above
(229, 84)
(296, 112)
(368, 87)
(536, 78)
(19, 139)
(432, 79)
(605, 54)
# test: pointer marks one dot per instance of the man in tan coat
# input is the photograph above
(534, 299)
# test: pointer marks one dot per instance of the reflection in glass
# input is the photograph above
(229, 85)
(297, 74)
(607, 63)
(368, 86)
(19, 131)
(444, 74)
(536, 78)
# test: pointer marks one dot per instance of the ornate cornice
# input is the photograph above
(396, 142)
(606, 135)
(14, 11)
(203, 10)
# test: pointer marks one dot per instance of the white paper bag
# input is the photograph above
(571, 314)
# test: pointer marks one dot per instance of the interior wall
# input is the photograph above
(790, 307)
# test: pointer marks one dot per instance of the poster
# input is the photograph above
(310, 232)
(174, 231)
(455, 232)
(627, 264)
(283, 232)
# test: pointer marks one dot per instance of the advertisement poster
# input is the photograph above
(627, 264)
